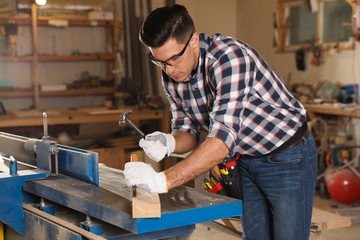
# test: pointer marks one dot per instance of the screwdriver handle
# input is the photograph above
(217, 170)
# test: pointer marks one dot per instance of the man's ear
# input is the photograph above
(195, 40)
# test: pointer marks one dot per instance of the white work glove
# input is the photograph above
(158, 145)
(144, 176)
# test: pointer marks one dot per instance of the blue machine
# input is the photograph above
(67, 195)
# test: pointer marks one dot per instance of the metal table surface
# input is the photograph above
(111, 202)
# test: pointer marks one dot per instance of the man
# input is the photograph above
(222, 85)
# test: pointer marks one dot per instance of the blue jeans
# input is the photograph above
(278, 193)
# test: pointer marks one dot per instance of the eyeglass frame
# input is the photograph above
(164, 63)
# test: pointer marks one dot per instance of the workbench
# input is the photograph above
(340, 110)
(83, 115)
(62, 192)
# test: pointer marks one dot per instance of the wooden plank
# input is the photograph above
(17, 94)
(146, 205)
(15, 58)
(88, 57)
(325, 220)
(81, 91)
(103, 110)
(332, 110)
(35, 113)
(35, 68)
(58, 221)
(77, 116)
(234, 224)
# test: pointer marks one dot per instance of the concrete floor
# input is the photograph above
(213, 230)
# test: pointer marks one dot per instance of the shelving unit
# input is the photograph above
(112, 39)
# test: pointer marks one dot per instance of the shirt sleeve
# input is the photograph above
(231, 74)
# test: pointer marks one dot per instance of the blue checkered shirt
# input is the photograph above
(236, 96)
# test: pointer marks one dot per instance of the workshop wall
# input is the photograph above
(254, 25)
(209, 16)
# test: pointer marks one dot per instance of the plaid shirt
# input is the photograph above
(236, 96)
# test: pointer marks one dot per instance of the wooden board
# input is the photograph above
(58, 221)
(146, 204)
(34, 113)
(325, 220)
(103, 110)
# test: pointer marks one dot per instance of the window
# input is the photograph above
(299, 26)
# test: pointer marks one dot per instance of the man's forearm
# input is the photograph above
(184, 141)
(205, 157)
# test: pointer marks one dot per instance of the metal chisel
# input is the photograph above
(134, 158)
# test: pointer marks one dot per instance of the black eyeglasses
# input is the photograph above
(174, 59)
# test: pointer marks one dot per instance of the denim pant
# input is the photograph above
(278, 193)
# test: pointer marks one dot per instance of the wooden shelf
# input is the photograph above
(44, 21)
(74, 92)
(330, 109)
(16, 59)
(113, 28)
(90, 57)
(54, 58)
(71, 92)
(17, 94)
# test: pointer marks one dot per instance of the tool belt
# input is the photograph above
(228, 182)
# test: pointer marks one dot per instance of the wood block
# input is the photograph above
(325, 220)
(146, 204)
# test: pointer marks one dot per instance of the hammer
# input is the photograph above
(125, 118)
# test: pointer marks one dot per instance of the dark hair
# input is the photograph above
(165, 23)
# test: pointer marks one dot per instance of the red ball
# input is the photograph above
(343, 186)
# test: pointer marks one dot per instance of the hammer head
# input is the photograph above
(124, 117)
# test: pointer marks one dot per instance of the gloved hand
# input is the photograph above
(158, 145)
(144, 176)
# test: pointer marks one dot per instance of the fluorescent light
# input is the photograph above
(40, 2)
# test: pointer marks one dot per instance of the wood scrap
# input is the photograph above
(322, 220)
(58, 221)
(144, 204)
(325, 220)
